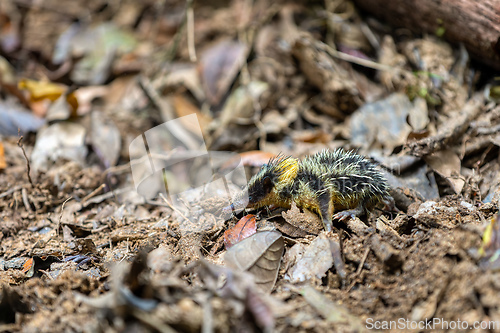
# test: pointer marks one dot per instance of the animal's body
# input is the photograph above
(333, 184)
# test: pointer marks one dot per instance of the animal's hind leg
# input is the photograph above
(326, 209)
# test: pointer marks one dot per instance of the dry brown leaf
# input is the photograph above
(315, 261)
(183, 107)
(447, 164)
(219, 66)
(306, 220)
(3, 163)
(40, 91)
(245, 228)
(260, 255)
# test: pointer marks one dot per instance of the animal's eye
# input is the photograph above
(267, 184)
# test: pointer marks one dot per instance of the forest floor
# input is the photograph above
(88, 90)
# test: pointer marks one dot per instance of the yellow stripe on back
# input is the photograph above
(288, 169)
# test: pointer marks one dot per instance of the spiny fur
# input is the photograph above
(327, 182)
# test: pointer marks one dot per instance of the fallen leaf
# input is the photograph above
(59, 140)
(28, 265)
(447, 164)
(219, 66)
(3, 163)
(260, 255)
(105, 139)
(14, 118)
(43, 90)
(245, 227)
(383, 122)
(39, 90)
(98, 46)
(184, 107)
(315, 261)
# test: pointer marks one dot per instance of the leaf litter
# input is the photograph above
(81, 250)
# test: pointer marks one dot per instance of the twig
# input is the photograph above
(20, 144)
(177, 38)
(60, 216)
(10, 191)
(174, 208)
(190, 31)
(360, 269)
(26, 201)
(108, 195)
(178, 131)
(356, 60)
(93, 193)
(450, 131)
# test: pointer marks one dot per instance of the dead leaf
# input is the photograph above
(333, 312)
(315, 261)
(14, 118)
(219, 66)
(418, 118)
(183, 107)
(382, 122)
(40, 91)
(260, 255)
(240, 106)
(306, 220)
(3, 163)
(447, 164)
(59, 140)
(245, 227)
(98, 46)
(105, 139)
(28, 265)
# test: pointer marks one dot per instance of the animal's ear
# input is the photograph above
(267, 184)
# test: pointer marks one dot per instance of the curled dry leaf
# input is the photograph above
(243, 229)
(43, 90)
(219, 66)
(260, 255)
(447, 164)
(183, 107)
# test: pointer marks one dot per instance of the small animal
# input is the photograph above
(333, 184)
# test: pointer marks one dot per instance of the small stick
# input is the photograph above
(190, 32)
(10, 191)
(20, 144)
(174, 209)
(93, 193)
(26, 201)
(60, 216)
(360, 268)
